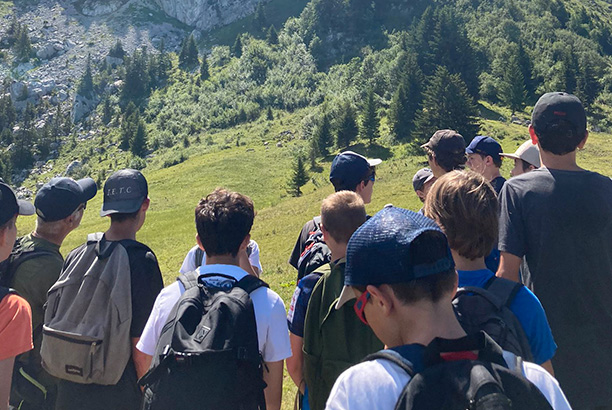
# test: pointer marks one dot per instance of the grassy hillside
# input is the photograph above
(261, 173)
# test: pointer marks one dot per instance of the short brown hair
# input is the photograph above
(341, 214)
(223, 219)
(465, 206)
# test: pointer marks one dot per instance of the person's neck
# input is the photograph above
(56, 239)
(423, 322)
(565, 162)
(121, 230)
(338, 252)
(227, 259)
(463, 263)
(491, 173)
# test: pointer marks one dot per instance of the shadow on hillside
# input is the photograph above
(373, 150)
(489, 114)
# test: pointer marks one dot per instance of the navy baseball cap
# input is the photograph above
(350, 168)
(60, 197)
(11, 206)
(552, 107)
(124, 192)
(446, 142)
(422, 176)
(486, 146)
(383, 251)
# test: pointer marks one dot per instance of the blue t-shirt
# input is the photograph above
(299, 303)
(527, 309)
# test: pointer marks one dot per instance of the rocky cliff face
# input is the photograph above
(207, 14)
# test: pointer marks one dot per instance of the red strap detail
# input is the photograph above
(455, 356)
(306, 249)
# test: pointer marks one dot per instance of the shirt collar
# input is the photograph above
(231, 270)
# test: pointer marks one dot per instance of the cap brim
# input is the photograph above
(89, 187)
(347, 294)
(25, 208)
(374, 161)
(121, 207)
(514, 156)
(426, 145)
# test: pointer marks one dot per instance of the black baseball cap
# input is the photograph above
(486, 146)
(11, 206)
(124, 192)
(446, 142)
(422, 176)
(552, 107)
(382, 251)
(350, 168)
(60, 197)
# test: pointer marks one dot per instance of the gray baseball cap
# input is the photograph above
(527, 152)
(124, 192)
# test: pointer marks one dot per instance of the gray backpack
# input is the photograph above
(86, 332)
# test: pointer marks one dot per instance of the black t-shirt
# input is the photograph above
(561, 221)
(146, 282)
(498, 183)
(308, 227)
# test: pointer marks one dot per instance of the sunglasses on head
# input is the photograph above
(359, 306)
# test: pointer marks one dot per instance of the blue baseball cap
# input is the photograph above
(383, 251)
(60, 197)
(486, 146)
(349, 168)
(11, 206)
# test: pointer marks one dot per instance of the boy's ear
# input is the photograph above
(381, 296)
(245, 242)
(199, 242)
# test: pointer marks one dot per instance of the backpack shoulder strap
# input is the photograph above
(393, 357)
(317, 221)
(488, 295)
(504, 289)
(199, 254)
(250, 283)
(4, 291)
(189, 279)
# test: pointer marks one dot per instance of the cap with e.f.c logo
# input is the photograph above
(124, 192)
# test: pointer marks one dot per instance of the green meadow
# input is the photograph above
(261, 172)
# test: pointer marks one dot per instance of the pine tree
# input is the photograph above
(204, 73)
(86, 87)
(23, 46)
(188, 57)
(237, 47)
(323, 135)
(139, 141)
(259, 18)
(447, 104)
(370, 122)
(298, 178)
(117, 50)
(164, 64)
(272, 37)
(512, 85)
(137, 82)
(107, 111)
(269, 114)
(347, 130)
(22, 154)
(400, 115)
(129, 125)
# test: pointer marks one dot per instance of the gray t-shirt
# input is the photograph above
(561, 221)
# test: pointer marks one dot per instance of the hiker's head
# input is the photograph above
(422, 182)
(341, 214)
(465, 206)
(353, 172)
(223, 221)
(126, 197)
(60, 204)
(526, 158)
(484, 156)
(445, 152)
(10, 207)
(558, 123)
(396, 260)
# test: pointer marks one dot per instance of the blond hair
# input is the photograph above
(341, 214)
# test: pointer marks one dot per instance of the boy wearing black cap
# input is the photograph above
(15, 315)
(445, 152)
(60, 204)
(560, 218)
(126, 203)
(422, 182)
(349, 172)
(400, 269)
(484, 157)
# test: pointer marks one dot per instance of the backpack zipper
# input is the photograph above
(93, 343)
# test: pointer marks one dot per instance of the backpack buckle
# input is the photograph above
(183, 358)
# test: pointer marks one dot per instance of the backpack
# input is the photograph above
(456, 378)
(315, 253)
(207, 356)
(4, 292)
(18, 255)
(488, 309)
(86, 331)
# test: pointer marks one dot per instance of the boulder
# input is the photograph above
(46, 52)
(73, 167)
(82, 107)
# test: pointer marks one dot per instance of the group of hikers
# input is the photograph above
(492, 295)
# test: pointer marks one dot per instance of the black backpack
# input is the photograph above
(207, 356)
(315, 253)
(18, 255)
(488, 309)
(457, 379)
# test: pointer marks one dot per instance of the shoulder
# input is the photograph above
(14, 307)
(308, 282)
(168, 297)
(266, 300)
(547, 384)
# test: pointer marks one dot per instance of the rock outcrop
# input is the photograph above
(94, 8)
(206, 14)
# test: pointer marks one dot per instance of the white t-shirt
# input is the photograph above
(378, 384)
(190, 265)
(270, 315)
